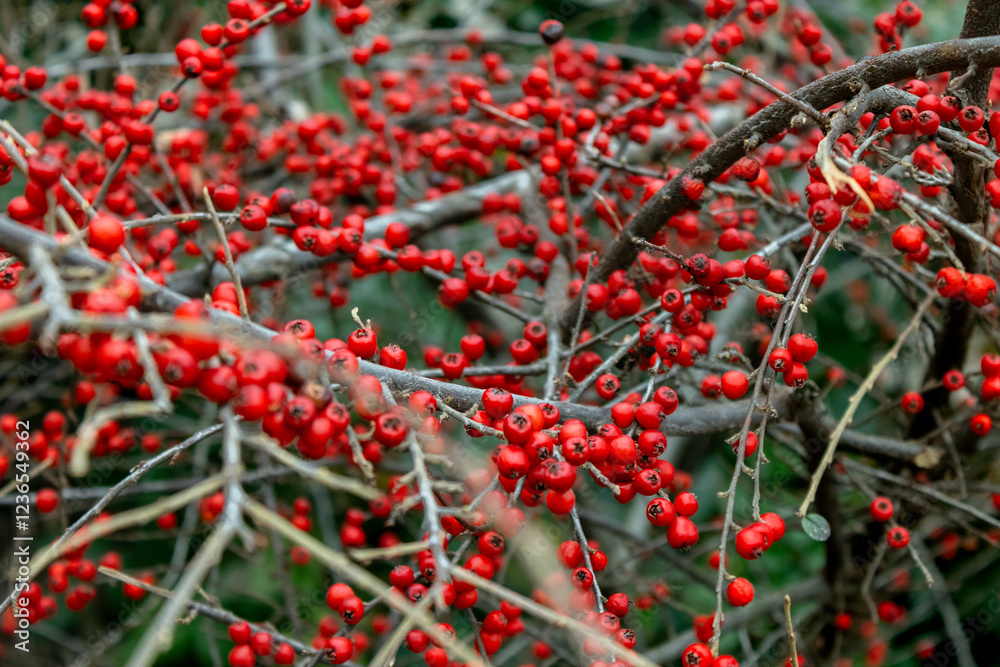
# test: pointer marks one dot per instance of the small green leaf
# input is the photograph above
(816, 527)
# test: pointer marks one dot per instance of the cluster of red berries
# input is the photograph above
(790, 361)
(890, 26)
(42, 604)
(912, 402)
(881, 510)
(249, 645)
(978, 289)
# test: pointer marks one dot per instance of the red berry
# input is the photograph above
(747, 169)
(660, 512)
(560, 503)
(739, 592)
(971, 118)
(908, 13)
(682, 533)
(802, 347)
(242, 656)
(928, 122)
(46, 500)
(473, 346)
(980, 424)
(336, 594)
(260, 643)
(512, 463)
(750, 448)
(285, 655)
(697, 655)
(351, 610)
(953, 380)
(980, 290)
(907, 238)
(758, 267)
(582, 578)
(776, 524)
(990, 365)
(453, 291)
(686, 504)
(647, 482)
(339, 649)
(898, 537)
(912, 402)
(735, 384)
(903, 119)
(649, 415)
(692, 187)
(617, 604)
(106, 234)
(225, 197)
(497, 402)
(950, 282)
(363, 343)
(607, 386)
(825, 215)
(780, 359)
(750, 543)
(881, 509)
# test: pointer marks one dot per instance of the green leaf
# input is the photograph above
(816, 527)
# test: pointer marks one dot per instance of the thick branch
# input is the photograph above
(18, 239)
(281, 258)
(982, 19)
(768, 122)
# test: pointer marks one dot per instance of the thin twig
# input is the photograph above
(432, 525)
(923, 489)
(791, 631)
(554, 618)
(330, 480)
(159, 634)
(127, 519)
(807, 109)
(208, 611)
(241, 298)
(357, 575)
(855, 402)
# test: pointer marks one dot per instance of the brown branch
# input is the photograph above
(821, 94)
(982, 20)
(805, 108)
(764, 375)
(791, 630)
